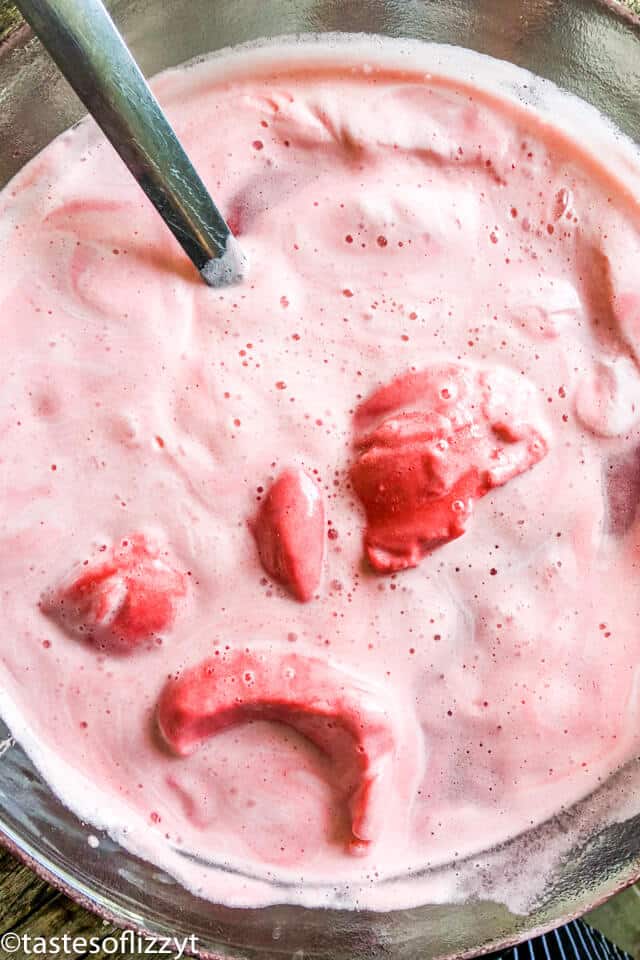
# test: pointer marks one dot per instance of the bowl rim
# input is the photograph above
(19, 34)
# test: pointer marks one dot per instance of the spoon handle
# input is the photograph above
(84, 42)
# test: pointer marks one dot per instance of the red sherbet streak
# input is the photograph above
(304, 692)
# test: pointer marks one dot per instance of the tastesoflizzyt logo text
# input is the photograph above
(124, 943)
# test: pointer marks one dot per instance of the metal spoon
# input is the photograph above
(82, 39)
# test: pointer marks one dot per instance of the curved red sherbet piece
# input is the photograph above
(289, 532)
(304, 692)
(122, 601)
(456, 433)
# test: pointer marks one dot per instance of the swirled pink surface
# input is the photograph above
(365, 525)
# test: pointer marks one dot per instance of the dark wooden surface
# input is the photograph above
(9, 18)
(29, 905)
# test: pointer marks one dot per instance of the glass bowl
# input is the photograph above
(586, 46)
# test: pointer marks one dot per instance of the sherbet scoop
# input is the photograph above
(82, 39)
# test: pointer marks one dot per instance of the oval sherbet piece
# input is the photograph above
(289, 532)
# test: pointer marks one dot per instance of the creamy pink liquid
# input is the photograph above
(393, 221)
